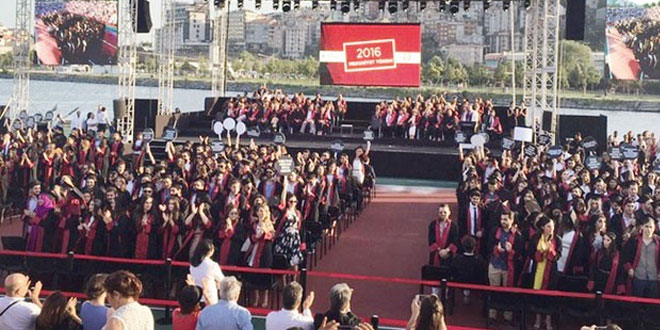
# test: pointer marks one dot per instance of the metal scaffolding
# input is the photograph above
(166, 57)
(127, 61)
(219, 50)
(20, 99)
(542, 61)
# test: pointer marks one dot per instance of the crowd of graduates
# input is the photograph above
(549, 222)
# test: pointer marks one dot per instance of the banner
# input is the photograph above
(76, 32)
(370, 54)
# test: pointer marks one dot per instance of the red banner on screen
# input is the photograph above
(370, 54)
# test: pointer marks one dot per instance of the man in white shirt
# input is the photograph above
(15, 312)
(288, 316)
(77, 121)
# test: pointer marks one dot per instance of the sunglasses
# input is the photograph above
(148, 191)
(293, 201)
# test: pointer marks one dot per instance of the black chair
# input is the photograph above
(650, 318)
(13, 243)
(434, 273)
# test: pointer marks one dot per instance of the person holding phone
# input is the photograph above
(427, 313)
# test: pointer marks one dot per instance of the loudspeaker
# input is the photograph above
(213, 105)
(145, 114)
(143, 16)
(546, 123)
(575, 11)
(119, 108)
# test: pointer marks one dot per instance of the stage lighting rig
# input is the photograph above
(381, 5)
(315, 4)
(276, 4)
(506, 4)
(345, 6)
(392, 7)
(422, 5)
(486, 4)
(404, 5)
(442, 5)
(219, 3)
(239, 3)
(527, 3)
(356, 5)
(333, 4)
(257, 4)
(286, 6)
(466, 5)
(453, 7)
(296, 4)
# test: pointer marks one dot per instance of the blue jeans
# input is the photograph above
(645, 288)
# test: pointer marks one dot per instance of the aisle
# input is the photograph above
(390, 240)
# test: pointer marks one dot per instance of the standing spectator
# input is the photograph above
(427, 313)
(77, 121)
(640, 255)
(206, 273)
(226, 314)
(340, 307)
(59, 313)
(124, 289)
(186, 315)
(469, 267)
(289, 316)
(15, 312)
(93, 312)
(91, 124)
(102, 119)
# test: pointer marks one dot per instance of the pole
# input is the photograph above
(512, 52)
(374, 321)
(168, 287)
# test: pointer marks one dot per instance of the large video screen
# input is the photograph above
(76, 32)
(370, 54)
(633, 39)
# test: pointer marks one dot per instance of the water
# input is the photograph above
(66, 96)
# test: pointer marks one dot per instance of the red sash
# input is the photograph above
(142, 239)
(440, 240)
(510, 267)
(225, 247)
(611, 278)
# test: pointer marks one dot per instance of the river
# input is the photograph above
(66, 96)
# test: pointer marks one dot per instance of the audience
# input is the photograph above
(205, 272)
(59, 313)
(15, 312)
(340, 307)
(289, 316)
(226, 314)
(427, 313)
(124, 289)
(94, 312)
(186, 315)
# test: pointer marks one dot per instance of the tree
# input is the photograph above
(501, 74)
(6, 60)
(479, 75)
(186, 67)
(433, 70)
(577, 65)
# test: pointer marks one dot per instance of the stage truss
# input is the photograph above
(166, 58)
(127, 61)
(542, 61)
(20, 99)
(219, 49)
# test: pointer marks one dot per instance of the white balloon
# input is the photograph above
(477, 140)
(218, 127)
(240, 128)
(229, 123)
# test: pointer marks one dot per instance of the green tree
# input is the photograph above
(501, 75)
(187, 68)
(455, 72)
(479, 75)
(433, 70)
(577, 65)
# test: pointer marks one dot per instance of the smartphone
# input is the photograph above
(420, 297)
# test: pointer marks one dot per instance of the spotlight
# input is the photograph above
(333, 4)
(345, 6)
(392, 7)
(240, 4)
(296, 4)
(219, 3)
(404, 5)
(286, 6)
(466, 5)
(506, 4)
(486, 4)
(315, 4)
(453, 7)
(276, 4)
(381, 5)
(257, 4)
(527, 3)
(422, 5)
(356, 5)
(442, 5)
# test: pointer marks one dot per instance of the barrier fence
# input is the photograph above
(68, 266)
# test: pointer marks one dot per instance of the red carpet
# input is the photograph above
(622, 60)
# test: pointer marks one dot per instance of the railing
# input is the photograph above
(67, 265)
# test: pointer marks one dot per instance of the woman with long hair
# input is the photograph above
(427, 314)
(287, 242)
(59, 313)
(260, 253)
(231, 236)
(146, 225)
(171, 221)
(205, 272)
(606, 267)
(197, 225)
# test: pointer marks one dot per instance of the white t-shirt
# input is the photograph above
(566, 241)
(20, 316)
(285, 319)
(101, 118)
(92, 124)
(77, 123)
(209, 273)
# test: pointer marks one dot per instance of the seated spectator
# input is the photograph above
(469, 267)
(289, 316)
(124, 289)
(93, 312)
(206, 272)
(340, 307)
(427, 313)
(15, 313)
(186, 315)
(226, 314)
(59, 313)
